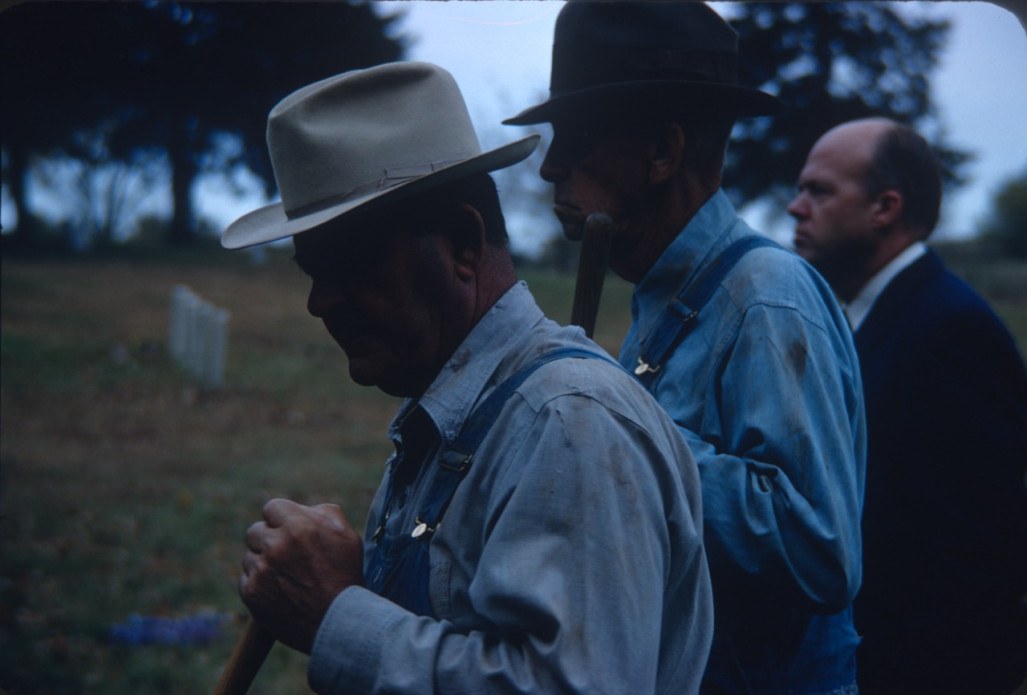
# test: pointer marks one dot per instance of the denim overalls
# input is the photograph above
(399, 567)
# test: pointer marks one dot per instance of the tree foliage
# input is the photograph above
(829, 63)
(173, 76)
(183, 79)
(1008, 223)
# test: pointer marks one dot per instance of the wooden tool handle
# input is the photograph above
(595, 252)
(250, 652)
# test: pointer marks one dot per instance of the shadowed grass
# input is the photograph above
(125, 488)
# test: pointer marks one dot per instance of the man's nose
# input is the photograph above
(554, 167)
(797, 208)
(323, 298)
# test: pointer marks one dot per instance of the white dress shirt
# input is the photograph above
(860, 306)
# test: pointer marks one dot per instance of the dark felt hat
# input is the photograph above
(608, 52)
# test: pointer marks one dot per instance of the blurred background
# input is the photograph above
(147, 118)
(133, 132)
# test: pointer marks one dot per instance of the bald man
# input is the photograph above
(945, 517)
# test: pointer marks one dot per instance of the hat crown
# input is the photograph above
(613, 52)
(363, 138)
(599, 43)
(670, 25)
(365, 131)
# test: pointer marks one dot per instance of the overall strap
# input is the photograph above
(455, 461)
(678, 318)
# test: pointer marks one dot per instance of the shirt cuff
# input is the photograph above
(348, 646)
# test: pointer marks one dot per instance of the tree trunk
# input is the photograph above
(18, 169)
(183, 173)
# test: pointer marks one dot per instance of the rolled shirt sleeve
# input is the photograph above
(766, 390)
(784, 505)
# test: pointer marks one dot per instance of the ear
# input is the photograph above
(466, 237)
(887, 210)
(666, 152)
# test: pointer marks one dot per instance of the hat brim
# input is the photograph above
(741, 101)
(270, 223)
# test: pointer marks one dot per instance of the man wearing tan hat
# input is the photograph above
(539, 526)
(739, 339)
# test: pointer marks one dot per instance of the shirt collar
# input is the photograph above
(451, 396)
(676, 266)
(856, 310)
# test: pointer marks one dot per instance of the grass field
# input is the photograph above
(125, 489)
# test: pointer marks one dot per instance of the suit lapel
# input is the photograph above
(891, 304)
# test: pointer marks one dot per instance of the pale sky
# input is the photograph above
(499, 53)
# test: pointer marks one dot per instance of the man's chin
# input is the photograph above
(572, 231)
(395, 381)
(573, 225)
(363, 371)
(802, 247)
(361, 376)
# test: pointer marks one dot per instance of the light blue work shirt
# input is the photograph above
(767, 392)
(570, 559)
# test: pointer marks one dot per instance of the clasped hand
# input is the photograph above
(298, 560)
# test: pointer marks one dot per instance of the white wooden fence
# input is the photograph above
(199, 335)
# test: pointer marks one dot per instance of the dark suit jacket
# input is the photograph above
(945, 515)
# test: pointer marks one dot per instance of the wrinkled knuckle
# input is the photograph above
(332, 513)
(270, 546)
(257, 537)
(272, 504)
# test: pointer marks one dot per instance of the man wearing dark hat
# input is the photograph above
(739, 340)
(539, 526)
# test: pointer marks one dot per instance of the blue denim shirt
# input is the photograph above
(570, 559)
(766, 390)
